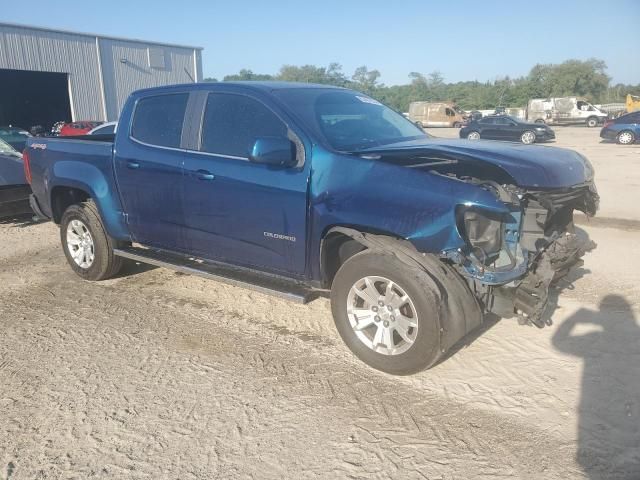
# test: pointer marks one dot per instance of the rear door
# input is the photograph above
(488, 128)
(237, 211)
(148, 166)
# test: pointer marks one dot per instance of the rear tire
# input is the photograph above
(86, 244)
(410, 341)
(626, 137)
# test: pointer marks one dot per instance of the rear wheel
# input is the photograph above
(386, 313)
(88, 248)
(592, 122)
(473, 136)
(528, 137)
(626, 137)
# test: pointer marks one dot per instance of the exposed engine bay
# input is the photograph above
(511, 260)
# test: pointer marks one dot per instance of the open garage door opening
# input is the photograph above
(33, 98)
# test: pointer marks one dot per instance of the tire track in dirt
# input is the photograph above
(373, 427)
(198, 380)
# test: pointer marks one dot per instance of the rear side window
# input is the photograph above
(158, 120)
(487, 121)
(232, 123)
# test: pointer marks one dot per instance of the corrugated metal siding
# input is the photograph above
(24, 48)
(125, 68)
(29, 49)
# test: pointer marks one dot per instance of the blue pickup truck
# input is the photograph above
(303, 190)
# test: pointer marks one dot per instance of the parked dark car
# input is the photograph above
(625, 129)
(504, 127)
(14, 190)
(14, 136)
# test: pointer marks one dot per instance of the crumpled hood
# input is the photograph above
(529, 165)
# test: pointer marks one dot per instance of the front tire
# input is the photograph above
(88, 248)
(457, 125)
(626, 137)
(592, 122)
(387, 313)
(528, 137)
(473, 136)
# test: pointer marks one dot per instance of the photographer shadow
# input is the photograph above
(609, 410)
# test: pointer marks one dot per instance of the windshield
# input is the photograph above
(6, 148)
(347, 120)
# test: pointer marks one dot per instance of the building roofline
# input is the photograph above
(96, 35)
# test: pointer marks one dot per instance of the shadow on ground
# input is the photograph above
(608, 341)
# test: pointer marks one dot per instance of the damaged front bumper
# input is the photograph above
(531, 294)
(523, 289)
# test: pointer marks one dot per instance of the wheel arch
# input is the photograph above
(461, 311)
(79, 182)
(62, 197)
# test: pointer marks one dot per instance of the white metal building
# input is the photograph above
(51, 75)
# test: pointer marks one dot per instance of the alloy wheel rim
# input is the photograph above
(625, 137)
(80, 244)
(528, 137)
(382, 315)
(473, 136)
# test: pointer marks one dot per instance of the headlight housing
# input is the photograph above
(483, 231)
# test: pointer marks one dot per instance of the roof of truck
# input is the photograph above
(256, 85)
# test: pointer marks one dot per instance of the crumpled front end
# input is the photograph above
(512, 261)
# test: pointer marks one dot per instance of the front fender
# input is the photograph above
(387, 199)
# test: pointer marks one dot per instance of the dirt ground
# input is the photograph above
(159, 375)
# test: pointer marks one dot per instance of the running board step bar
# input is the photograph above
(238, 277)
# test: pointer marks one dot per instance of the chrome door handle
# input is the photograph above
(205, 175)
(133, 165)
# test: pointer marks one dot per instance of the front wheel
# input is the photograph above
(473, 136)
(592, 122)
(457, 125)
(88, 248)
(626, 137)
(528, 137)
(386, 313)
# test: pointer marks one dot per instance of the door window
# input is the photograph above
(232, 123)
(158, 120)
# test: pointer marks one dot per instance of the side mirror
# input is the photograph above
(275, 151)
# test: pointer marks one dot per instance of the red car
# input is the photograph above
(78, 128)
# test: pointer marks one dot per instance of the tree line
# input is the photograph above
(585, 78)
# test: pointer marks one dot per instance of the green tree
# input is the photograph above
(365, 80)
(246, 74)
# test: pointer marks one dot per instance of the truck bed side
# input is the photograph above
(65, 169)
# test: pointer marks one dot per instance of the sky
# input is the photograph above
(464, 40)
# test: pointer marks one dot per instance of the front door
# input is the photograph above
(149, 170)
(237, 211)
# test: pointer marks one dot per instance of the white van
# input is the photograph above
(564, 111)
